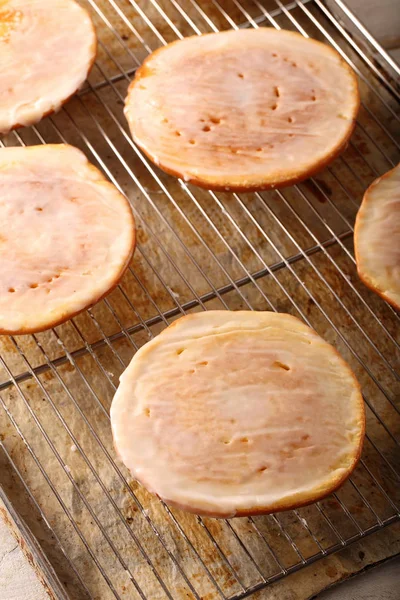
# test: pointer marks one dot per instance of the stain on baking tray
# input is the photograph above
(311, 187)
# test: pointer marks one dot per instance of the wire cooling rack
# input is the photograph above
(288, 250)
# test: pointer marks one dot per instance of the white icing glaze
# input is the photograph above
(243, 108)
(67, 236)
(47, 48)
(238, 412)
(377, 237)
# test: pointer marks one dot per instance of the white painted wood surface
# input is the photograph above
(18, 579)
(380, 583)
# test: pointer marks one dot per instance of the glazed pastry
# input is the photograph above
(67, 236)
(47, 48)
(238, 413)
(377, 237)
(243, 110)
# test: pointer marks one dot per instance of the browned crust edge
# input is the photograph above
(263, 183)
(369, 283)
(288, 505)
(55, 322)
(53, 111)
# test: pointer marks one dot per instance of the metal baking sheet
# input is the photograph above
(288, 250)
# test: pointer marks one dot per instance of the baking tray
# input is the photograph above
(289, 250)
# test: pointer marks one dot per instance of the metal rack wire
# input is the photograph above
(288, 250)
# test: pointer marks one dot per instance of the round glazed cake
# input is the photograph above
(238, 413)
(243, 110)
(47, 48)
(67, 236)
(377, 237)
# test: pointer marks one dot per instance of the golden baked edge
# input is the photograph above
(366, 279)
(266, 183)
(296, 500)
(67, 316)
